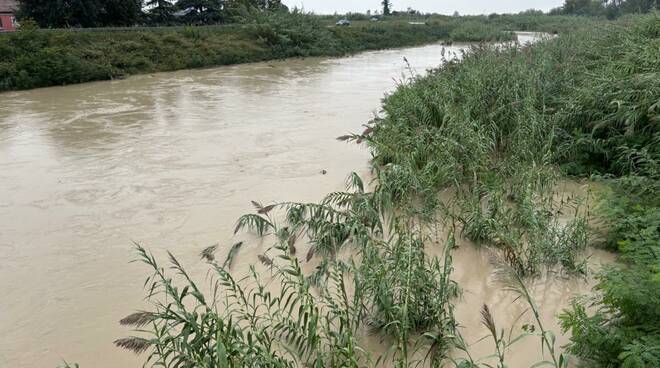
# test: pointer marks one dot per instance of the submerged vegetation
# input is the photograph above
(474, 149)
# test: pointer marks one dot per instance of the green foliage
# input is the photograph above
(39, 59)
(201, 11)
(610, 127)
(81, 13)
(582, 7)
(291, 34)
(610, 124)
(43, 58)
(491, 127)
(252, 327)
(473, 31)
(310, 320)
(160, 11)
(610, 8)
(387, 7)
(256, 34)
(481, 128)
(625, 329)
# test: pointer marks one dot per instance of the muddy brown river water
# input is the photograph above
(171, 160)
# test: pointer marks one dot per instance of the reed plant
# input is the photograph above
(309, 320)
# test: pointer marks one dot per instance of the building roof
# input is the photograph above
(8, 6)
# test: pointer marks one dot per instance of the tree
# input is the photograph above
(274, 4)
(265, 4)
(387, 7)
(119, 12)
(583, 7)
(161, 11)
(638, 6)
(81, 13)
(611, 8)
(203, 11)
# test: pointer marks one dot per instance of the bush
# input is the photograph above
(624, 331)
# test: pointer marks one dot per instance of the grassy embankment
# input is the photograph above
(44, 58)
(512, 22)
(498, 129)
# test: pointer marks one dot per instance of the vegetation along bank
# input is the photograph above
(497, 130)
(202, 33)
(39, 58)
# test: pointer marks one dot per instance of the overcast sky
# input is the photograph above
(430, 6)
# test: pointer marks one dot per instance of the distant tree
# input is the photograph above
(202, 11)
(387, 7)
(457, 14)
(81, 13)
(583, 7)
(610, 8)
(638, 6)
(257, 4)
(161, 11)
(120, 12)
(270, 5)
(274, 4)
(51, 14)
(412, 11)
(531, 12)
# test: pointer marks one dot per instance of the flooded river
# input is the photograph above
(170, 161)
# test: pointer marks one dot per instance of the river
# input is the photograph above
(170, 161)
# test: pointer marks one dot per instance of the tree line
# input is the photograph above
(108, 13)
(610, 8)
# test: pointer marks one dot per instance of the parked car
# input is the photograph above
(374, 19)
(343, 23)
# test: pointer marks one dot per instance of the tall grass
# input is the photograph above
(481, 126)
(295, 319)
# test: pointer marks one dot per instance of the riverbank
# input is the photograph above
(45, 58)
